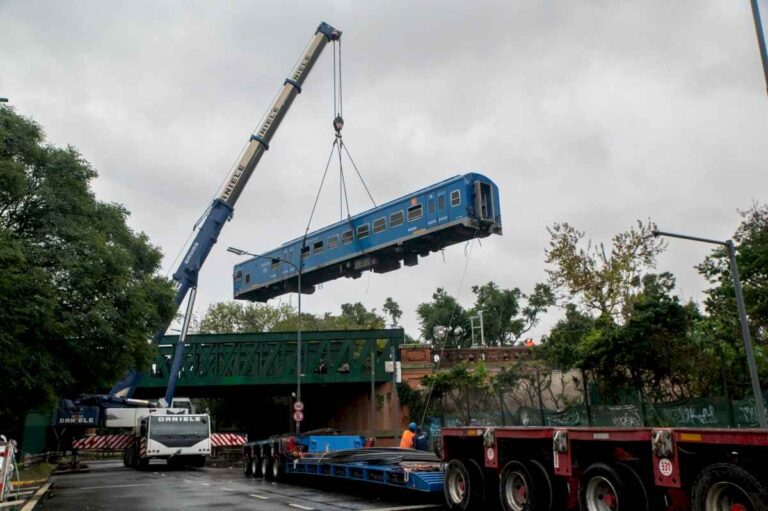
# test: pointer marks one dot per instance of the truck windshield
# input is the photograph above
(173, 425)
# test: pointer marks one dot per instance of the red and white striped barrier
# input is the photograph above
(119, 442)
(6, 468)
(106, 442)
(228, 439)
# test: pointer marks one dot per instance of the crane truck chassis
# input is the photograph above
(181, 439)
(605, 469)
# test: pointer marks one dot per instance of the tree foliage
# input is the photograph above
(78, 288)
(237, 317)
(600, 279)
(507, 314)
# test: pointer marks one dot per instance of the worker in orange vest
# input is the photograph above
(406, 442)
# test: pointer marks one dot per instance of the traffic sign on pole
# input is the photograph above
(298, 406)
(298, 416)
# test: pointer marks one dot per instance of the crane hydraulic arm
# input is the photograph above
(222, 207)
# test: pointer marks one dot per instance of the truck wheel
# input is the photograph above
(463, 487)
(517, 489)
(607, 488)
(724, 486)
(143, 464)
(277, 469)
(256, 466)
(125, 458)
(248, 466)
(266, 467)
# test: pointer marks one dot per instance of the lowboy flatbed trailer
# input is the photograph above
(606, 469)
(342, 457)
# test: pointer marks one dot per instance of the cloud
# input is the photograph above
(596, 113)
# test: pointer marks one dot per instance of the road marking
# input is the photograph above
(227, 489)
(298, 506)
(405, 508)
(205, 484)
(111, 486)
(33, 501)
(262, 497)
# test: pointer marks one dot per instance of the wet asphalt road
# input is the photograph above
(111, 486)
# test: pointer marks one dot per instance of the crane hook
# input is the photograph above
(338, 123)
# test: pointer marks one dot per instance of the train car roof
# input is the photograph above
(381, 206)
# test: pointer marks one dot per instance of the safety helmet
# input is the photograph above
(412, 426)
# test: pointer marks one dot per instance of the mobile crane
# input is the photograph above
(149, 419)
(222, 208)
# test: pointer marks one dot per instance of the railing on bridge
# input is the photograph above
(270, 358)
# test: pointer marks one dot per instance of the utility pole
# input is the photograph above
(750, 353)
(373, 393)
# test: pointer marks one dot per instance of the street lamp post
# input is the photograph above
(756, 390)
(298, 325)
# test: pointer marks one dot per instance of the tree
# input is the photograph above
(600, 281)
(722, 324)
(392, 309)
(443, 311)
(236, 317)
(79, 288)
(508, 313)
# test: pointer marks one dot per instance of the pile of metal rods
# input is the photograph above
(372, 456)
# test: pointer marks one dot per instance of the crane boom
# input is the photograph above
(221, 209)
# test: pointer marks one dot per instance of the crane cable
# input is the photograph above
(338, 147)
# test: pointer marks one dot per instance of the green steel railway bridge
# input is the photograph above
(252, 377)
(214, 361)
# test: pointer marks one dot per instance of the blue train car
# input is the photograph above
(451, 211)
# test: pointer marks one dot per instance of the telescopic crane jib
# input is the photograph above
(222, 207)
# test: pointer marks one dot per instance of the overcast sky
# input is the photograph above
(593, 112)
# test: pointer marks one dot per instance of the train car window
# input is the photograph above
(304, 252)
(455, 198)
(441, 202)
(379, 225)
(275, 263)
(396, 219)
(247, 278)
(415, 212)
(363, 231)
(347, 236)
(317, 247)
(333, 241)
(238, 275)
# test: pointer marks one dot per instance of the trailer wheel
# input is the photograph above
(604, 488)
(277, 468)
(256, 466)
(548, 491)
(266, 467)
(248, 466)
(463, 487)
(517, 489)
(724, 486)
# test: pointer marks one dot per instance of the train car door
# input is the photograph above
(431, 212)
(483, 198)
(442, 209)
